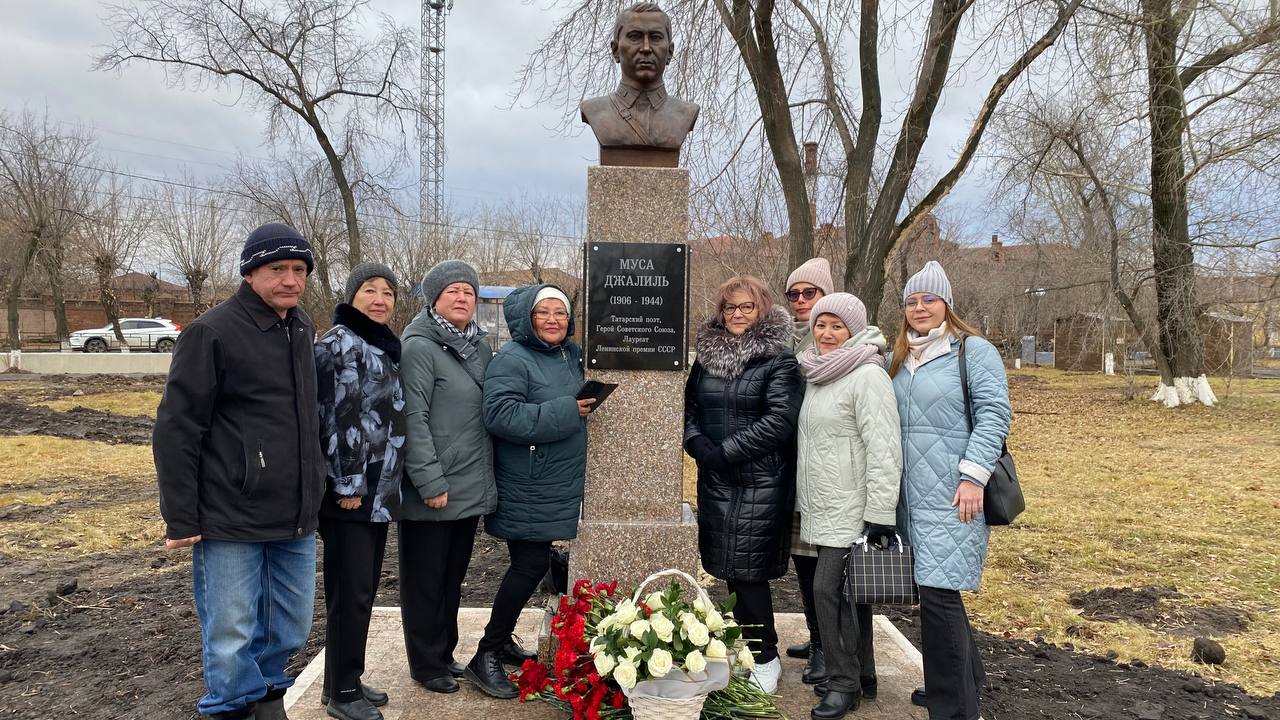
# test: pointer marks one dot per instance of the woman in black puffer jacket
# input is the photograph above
(741, 404)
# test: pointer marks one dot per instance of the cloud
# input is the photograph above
(493, 152)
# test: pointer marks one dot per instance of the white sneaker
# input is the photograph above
(766, 675)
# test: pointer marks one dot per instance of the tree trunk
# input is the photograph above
(52, 256)
(344, 189)
(15, 289)
(103, 267)
(195, 278)
(752, 31)
(868, 248)
(1177, 314)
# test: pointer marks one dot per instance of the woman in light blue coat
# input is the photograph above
(945, 468)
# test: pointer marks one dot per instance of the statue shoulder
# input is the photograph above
(685, 111)
(592, 107)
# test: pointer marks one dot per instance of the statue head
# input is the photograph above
(642, 44)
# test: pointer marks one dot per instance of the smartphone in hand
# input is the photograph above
(596, 391)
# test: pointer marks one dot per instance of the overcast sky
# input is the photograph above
(46, 51)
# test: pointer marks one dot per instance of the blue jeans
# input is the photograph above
(255, 602)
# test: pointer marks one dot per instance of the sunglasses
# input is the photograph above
(923, 301)
(807, 294)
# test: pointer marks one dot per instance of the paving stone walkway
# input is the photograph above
(898, 667)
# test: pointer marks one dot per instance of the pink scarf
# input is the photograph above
(822, 369)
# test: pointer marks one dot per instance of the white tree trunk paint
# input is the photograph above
(1185, 391)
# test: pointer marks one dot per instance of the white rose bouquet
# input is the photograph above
(666, 646)
(659, 656)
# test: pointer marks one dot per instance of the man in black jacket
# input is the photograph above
(238, 460)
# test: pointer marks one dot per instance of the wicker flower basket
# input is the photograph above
(645, 706)
(660, 708)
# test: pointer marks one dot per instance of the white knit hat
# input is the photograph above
(931, 279)
(816, 271)
(845, 306)
(554, 293)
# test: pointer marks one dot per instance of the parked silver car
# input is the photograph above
(154, 334)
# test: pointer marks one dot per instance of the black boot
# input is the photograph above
(272, 709)
(456, 668)
(358, 709)
(376, 697)
(800, 651)
(513, 654)
(869, 692)
(918, 698)
(486, 671)
(834, 705)
(815, 671)
(443, 684)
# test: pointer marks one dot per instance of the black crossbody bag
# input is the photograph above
(1002, 499)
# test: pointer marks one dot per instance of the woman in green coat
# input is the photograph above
(448, 481)
(540, 447)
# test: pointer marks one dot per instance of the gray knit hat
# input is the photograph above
(365, 272)
(931, 279)
(843, 305)
(815, 271)
(445, 274)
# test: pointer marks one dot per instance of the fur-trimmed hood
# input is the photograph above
(725, 355)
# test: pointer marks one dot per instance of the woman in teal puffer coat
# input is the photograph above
(945, 467)
(540, 454)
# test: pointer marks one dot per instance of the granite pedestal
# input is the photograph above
(633, 519)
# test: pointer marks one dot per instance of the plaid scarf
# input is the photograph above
(469, 333)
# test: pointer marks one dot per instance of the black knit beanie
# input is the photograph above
(272, 242)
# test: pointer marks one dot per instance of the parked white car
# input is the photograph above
(154, 334)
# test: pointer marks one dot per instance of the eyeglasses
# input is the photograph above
(745, 308)
(923, 301)
(807, 294)
(548, 314)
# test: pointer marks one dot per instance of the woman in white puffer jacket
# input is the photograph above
(848, 476)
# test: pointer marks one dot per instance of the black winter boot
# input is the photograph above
(486, 671)
(815, 671)
(271, 709)
(834, 705)
(800, 650)
(513, 654)
(358, 709)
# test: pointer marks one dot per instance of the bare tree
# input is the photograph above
(194, 228)
(1204, 136)
(1179, 57)
(110, 236)
(311, 64)
(47, 188)
(304, 196)
(790, 54)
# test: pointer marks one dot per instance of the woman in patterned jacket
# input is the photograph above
(362, 433)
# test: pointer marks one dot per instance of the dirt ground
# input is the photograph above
(114, 635)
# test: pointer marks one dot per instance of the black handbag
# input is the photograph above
(1002, 499)
(875, 576)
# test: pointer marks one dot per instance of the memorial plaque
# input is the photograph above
(636, 306)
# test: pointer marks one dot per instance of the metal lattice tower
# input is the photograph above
(431, 123)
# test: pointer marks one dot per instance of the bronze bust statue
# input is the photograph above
(640, 124)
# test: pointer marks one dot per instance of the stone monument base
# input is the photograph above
(630, 551)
